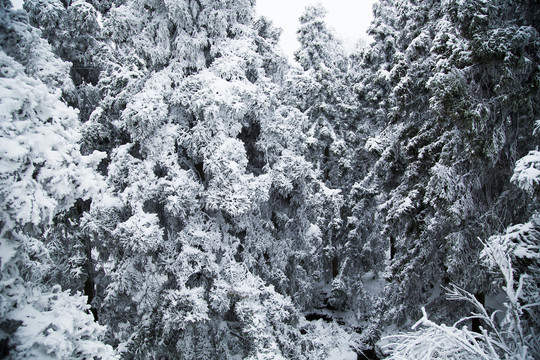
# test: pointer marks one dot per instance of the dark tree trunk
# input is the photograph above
(90, 285)
(392, 247)
(335, 267)
(481, 298)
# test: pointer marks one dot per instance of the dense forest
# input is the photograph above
(173, 187)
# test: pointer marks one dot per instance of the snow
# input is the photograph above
(57, 325)
(12, 149)
(314, 231)
(407, 203)
(230, 231)
(199, 233)
(7, 251)
(342, 354)
(373, 285)
(527, 172)
(531, 174)
(405, 206)
(17, 4)
(109, 201)
(99, 19)
(329, 192)
(333, 337)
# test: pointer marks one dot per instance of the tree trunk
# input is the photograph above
(481, 298)
(335, 267)
(90, 285)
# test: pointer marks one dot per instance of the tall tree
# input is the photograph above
(204, 231)
(74, 33)
(320, 90)
(442, 182)
(43, 175)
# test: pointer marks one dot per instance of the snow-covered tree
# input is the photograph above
(320, 90)
(42, 176)
(215, 192)
(73, 30)
(204, 232)
(510, 333)
(460, 70)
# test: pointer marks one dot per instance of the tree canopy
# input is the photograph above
(173, 187)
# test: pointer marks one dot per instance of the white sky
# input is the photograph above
(349, 18)
(17, 4)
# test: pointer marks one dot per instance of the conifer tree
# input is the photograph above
(442, 182)
(319, 89)
(215, 194)
(72, 29)
(205, 230)
(43, 175)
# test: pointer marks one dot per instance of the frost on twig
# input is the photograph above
(434, 341)
(509, 339)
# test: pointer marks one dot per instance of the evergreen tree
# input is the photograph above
(442, 182)
(43, 175)
(514, 258)
(74, 33)
(214, 194)
(320, 90)
(205, 232)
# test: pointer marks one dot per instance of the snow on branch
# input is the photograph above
(527, 172)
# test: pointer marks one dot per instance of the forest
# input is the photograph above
(172, 186)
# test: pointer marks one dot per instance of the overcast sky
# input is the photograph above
(349, 18)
